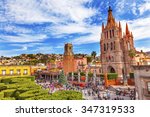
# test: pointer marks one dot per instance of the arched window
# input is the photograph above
(110, 33)
(113, 33)
(114, 46)
(111, 46)
(107, 46)
(107, 34)
(109, 58)
(128, 45)
(104, 47)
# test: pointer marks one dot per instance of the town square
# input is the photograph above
(100, 58)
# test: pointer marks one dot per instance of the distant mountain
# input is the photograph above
(148, 53)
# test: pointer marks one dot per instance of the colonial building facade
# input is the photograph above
(116, 48)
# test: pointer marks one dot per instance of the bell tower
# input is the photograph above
(68, 59)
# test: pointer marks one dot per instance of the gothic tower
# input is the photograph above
(115, 47)
(68, 59)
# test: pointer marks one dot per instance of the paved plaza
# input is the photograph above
(96, 92)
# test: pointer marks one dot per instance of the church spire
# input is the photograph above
(127, 29)
(131, 34)
(119, 25)
(110, 20)
(120, 29)
(102, 27)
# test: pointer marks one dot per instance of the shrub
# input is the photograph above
(16, 95)
(32, 78)
(25, 95)
(9, 92)
(90, 74)
(131, 75)
(82, 74)
(1, 95)
(75, 73)
(22, 89)
(112, 76)
(6, 80)
(2, 86)
(66, 95)
(40, 97)
(20, 80)
(32, 93)
(12, 86)
(8, 98)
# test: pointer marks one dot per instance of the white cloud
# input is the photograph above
(24, 11)
(30, 11)
(44, 49)
(92, 37)
(139, 27)
(70, 28)
(143, 48)
(133, 6)
(15, 29)
(144, 7)
(23, 38)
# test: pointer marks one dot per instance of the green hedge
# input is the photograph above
(112, 76)
(32, 93)
(26, 89)
(90, 74)
(66, 95)
(8, 98)
(1, 95)
(40, 97)
(82, 74)
(6, 80)
(9, 92)
(2, 86)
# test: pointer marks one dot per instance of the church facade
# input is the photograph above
(117, 48)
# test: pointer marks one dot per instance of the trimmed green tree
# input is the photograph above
(62, 79)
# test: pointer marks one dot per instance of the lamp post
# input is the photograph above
(72, 76)
(94, 77)
(86, 80)
(78, 76)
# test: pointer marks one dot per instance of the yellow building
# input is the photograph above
(14, 70)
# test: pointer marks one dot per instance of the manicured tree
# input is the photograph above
(62, 79)
(132, 53)
(93, 54)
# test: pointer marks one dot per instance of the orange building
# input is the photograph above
(68, 60)
(71, 63)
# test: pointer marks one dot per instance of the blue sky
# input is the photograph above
(33, 26)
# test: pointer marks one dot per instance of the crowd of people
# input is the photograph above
(96, 91)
